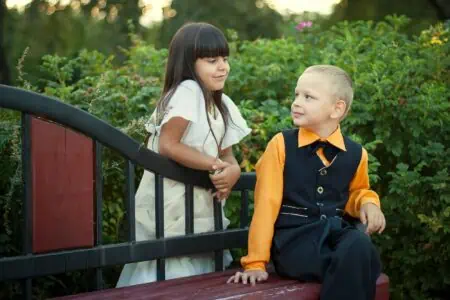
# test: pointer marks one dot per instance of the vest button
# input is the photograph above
(323, 172)
(320, 190)
(323, 217)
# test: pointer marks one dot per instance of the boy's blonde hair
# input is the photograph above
(340, 81)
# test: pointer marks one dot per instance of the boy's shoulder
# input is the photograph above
(289, 132)
(280, 136)
(351, 143)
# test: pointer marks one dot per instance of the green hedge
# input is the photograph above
(400, 113)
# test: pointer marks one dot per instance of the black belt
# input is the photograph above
(320, 212)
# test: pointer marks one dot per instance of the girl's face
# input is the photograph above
(213, 71)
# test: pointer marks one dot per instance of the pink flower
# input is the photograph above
(303, 25)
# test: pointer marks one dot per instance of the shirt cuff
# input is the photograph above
(255, 266)
(373, 200)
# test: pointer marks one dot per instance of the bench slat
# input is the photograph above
(213, 286)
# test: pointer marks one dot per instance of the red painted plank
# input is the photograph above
(63, 187)
(382, 288)
(213, 286)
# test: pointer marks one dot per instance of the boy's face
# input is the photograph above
(315, 106)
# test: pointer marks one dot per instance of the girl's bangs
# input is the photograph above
(211, 43)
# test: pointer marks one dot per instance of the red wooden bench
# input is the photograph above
(213, 286)
(63, 220)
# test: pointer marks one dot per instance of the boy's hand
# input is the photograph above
(225, 179)
(371, 215)
(252, 276)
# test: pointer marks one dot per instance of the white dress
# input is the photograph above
(187, 102)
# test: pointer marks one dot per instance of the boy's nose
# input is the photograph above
(296, 102)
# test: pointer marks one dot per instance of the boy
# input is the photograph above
(309, 181)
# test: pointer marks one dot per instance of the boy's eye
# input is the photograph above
(307, 96)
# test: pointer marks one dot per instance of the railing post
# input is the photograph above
(159, 226)
(98, 209)
(244, 209)
(218, 226)
(189, 208)
(130, 200)
(27, 176)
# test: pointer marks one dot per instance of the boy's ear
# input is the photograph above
(339, 109)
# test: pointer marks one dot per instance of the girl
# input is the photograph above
(196, 125)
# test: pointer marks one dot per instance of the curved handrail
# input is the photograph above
(79, 120)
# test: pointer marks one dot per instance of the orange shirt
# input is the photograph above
(269, 193)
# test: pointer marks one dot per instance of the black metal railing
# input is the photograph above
(27, 266)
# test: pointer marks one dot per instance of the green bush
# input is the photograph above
(400, 113)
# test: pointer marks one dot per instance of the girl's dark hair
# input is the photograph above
(191, 42)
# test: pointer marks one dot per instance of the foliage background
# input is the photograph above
(65, 27)
(400, 114)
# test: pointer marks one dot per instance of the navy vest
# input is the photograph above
(312, 191)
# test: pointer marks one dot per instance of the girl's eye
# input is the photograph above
(225, 59)
(307, 96)
(212, 60)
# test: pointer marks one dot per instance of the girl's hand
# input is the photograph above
(225, 179)
(217, 168)
(220, 196)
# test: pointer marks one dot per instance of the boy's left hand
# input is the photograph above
(225, 180)
(372, 216)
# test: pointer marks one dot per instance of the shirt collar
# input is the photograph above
(306, 137)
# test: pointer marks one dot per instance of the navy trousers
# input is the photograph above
(332, 252)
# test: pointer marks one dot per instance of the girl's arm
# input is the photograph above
(170, 146)
(228, 156)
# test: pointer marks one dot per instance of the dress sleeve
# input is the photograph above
(186, 102)
(237, 127)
